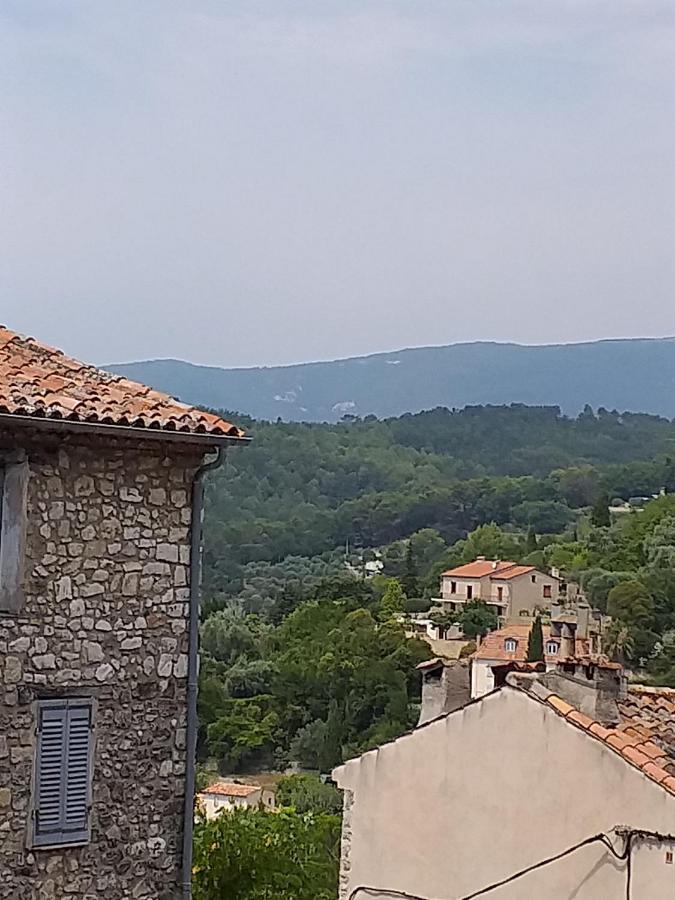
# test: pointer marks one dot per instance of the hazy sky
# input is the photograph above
(262, 182)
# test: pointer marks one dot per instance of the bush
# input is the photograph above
(255, 855)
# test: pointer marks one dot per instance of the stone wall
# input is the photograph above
(105, 615)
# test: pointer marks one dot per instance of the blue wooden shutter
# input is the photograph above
(63, 772)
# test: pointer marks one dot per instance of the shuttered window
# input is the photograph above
(63, 772)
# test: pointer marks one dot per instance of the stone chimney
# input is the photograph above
(445, 687)
(583, 619)
(592, 688)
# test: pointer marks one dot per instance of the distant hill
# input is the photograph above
(636, 374)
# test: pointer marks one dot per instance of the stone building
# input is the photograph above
(100, 494)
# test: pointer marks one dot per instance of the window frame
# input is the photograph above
(38, 839)
(548, 592)
(510, 645)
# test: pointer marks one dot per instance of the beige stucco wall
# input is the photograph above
(214, 804)
(490, 789)
(526, 595)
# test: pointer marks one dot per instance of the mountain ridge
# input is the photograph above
(635, 374)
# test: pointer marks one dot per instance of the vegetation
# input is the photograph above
(308, 793)
(334, 678)
(302, 490)
(256, 855)
(304, 659)
(535, 643)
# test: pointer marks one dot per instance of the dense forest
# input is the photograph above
(304, 490)
(303, 657)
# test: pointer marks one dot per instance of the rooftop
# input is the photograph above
(40, 383)
(642, 738)
(479, 568)
(492, 646)
(231, 789)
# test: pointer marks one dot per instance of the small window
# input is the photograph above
(469, 591)
(548, 592)
(551, 648)
(534, 579)
(453, 587)
(510, 645)
(63, 767)
(500, 594)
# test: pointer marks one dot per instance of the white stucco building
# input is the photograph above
(224, 796)
(508, 781)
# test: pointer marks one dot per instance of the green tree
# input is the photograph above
(618, 643)
(630, 603)
(535, 643)
(308, 793)
(256, 855)
(244, 734)
(393, 600)
(531, 545)
(410, 579)
(600, 517)
(477, 618)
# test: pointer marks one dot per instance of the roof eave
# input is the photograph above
(123, 431)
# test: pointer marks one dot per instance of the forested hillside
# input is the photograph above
(306, 489)
(622, 374)
(304, 660)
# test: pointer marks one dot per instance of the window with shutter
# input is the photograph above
(63, 767)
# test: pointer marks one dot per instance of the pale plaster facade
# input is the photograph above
(472, 797)
(516, 599)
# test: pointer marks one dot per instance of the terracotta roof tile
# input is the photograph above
(38, 381)
(231, 789)
(492, 646)
(561, 705)
(654, 755)
(479, 568)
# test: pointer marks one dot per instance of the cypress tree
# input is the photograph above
(409, 580)
(600, 515)
(535, 643)
(531, 541)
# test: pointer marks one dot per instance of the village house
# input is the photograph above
(224, 796)
(101, 499)
(557, 785)
(514, 591)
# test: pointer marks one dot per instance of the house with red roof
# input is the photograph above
(516, 592)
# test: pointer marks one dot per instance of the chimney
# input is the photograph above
(495, 563)
(592, 688)
(445, 687)
(480, 559)
(583, 619)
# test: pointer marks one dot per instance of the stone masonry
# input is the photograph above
(105, 615)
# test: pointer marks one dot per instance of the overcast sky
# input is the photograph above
(242, 183)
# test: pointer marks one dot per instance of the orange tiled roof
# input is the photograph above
(40, 382)
(231, 789)
(479, 568)
(513, 572)
(635, 743)
(492, 645)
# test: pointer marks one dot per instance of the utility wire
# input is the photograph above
(629, 835)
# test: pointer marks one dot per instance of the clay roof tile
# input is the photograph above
(41, 382)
